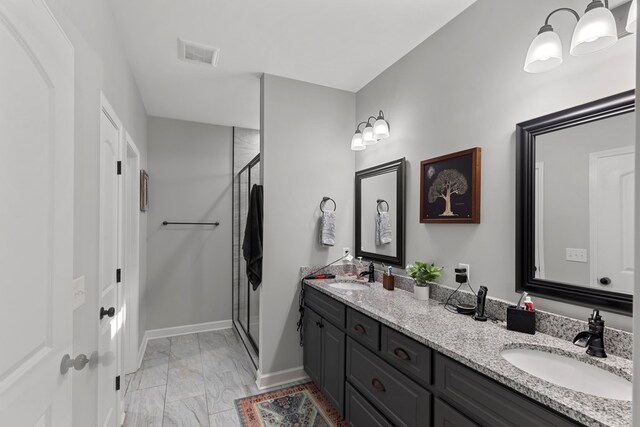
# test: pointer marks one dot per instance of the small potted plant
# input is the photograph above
(423, 273)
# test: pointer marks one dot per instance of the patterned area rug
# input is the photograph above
(298, 406)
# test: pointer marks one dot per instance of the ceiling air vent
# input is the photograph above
(198, 53)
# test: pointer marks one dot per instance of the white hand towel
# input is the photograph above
(383, 229)
(328, 228)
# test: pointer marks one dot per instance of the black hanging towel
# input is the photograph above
(252, 245)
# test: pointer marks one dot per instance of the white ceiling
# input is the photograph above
(337, 43)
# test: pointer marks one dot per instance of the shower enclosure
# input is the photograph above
(246, 301)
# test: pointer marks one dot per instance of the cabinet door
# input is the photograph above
(333, 354)
(312, 351)
(359, 412)
(445, 416)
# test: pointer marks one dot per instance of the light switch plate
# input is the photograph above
(577, 255)
(78, 292)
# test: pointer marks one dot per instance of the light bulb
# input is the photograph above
(356, 142)
(633, 17)
(381, 127)
(367, 135)
(545, 52)
(596, 30)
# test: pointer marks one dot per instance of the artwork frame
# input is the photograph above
(144, 191)
(462, 170)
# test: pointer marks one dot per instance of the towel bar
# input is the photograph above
(189, 223)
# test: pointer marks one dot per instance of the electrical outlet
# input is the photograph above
(78, 292)
(577, 255)
(468, 267)
(346, 251)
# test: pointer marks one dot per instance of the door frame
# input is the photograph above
(109, 111)
(131, 254)
(593, 207)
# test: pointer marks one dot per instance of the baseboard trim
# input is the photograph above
(179, 330)
(279, 378)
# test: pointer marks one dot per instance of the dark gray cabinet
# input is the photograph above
(333, 342)
(378, 377)
(312, 353)
(360, 412)
(323, 357)
(487, 402)
(445, 416)
(404, 402)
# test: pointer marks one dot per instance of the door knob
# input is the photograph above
(78, 363)
(111, 312)
(605, 281)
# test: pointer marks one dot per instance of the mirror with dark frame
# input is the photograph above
(575, 204)
(380, 213)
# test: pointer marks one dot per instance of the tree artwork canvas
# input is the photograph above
(450, 188)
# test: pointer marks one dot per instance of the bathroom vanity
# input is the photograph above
(385, 359)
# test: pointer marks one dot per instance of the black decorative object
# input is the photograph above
(526, 134)
(520, 320)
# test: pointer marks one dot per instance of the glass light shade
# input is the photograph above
(596, 30)
(367, 135)
(633, 17)
(356, 142)
(544, 54)
(381, 128)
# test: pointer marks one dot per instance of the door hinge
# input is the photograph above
(119, 167)
(118, 383)
(118, 275)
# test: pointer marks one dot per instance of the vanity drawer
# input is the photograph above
(363, 329)
(360, 413)
(325, 306)
(487, 402)
(445, 416)
(409, 356)
(402, 401)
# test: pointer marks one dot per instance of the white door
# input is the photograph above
(612, 219)
(109, 263)
(36, 213)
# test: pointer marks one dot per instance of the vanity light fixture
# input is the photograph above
(633, 17)
(595, 30)
(371, 133)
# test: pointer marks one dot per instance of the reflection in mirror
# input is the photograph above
(575, 204)
(584, 204)
(380, 213)
(378, 228)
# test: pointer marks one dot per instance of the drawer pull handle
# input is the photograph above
(359, 329)
(377, 384)
(401, 354)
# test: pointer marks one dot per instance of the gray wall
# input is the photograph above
(190, 167)
(636, 294)
(100, 64)
(565, 155)
(465, 87)
(305, 145)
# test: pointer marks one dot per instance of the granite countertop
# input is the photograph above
(478, 345)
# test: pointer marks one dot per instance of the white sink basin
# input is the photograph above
(570, 373)
(349, 286)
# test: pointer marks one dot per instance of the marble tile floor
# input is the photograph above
(190, 380)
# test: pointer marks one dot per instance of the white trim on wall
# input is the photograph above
(279, 378)
(180, 330)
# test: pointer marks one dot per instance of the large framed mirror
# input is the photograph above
(575, 204)
(380, 213)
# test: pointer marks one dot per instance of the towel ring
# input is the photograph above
(380, 201)
(325, 200)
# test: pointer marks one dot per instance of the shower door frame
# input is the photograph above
(235, 320)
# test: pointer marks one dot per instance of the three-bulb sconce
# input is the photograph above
(595, 30)
(371, 133)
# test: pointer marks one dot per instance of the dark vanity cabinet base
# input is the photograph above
(376, 376)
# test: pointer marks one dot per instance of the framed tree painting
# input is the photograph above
(450, 188)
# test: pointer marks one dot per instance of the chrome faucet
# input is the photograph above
(593, 339)
(370, 273)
